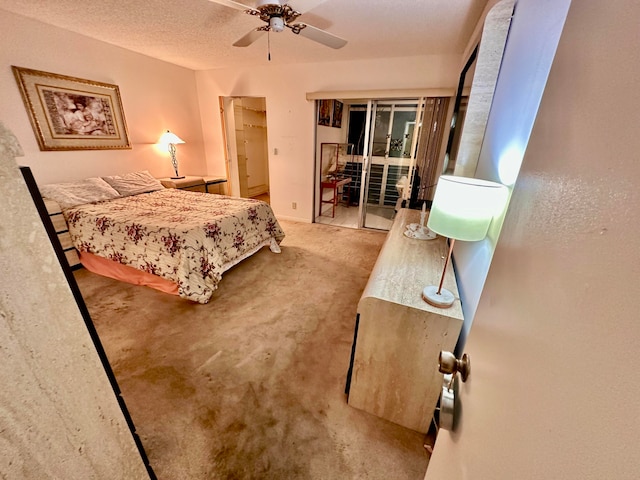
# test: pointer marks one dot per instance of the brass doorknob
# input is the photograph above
(449, 364)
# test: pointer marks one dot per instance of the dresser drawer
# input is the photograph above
(65, 240)
(59, 223)
(62, 230)
(196, 188)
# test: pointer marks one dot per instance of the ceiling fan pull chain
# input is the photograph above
(268, 45)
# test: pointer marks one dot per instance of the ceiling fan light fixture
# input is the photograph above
(278, 14)
(276, 24)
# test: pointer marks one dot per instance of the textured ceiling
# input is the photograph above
(199, 34)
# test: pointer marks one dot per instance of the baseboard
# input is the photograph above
(257, 190)
(293, 219)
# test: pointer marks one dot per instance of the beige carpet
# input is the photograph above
(251, 385)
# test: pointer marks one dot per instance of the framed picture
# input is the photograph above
(336, 119)
(69, 113)
(324, 112)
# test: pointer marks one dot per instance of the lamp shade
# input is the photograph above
(463, 207)
(168, 138)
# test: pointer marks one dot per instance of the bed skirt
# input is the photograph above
(124, 273)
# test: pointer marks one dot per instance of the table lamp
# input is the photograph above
(170, 140)
(462, 209)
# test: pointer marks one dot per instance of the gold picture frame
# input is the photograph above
(336, 116)
(69, 113)
(324, 112)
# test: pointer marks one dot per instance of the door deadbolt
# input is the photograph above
(449, 364)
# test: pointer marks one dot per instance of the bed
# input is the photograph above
(131, 228)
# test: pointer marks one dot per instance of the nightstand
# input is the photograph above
(215, 185)
(334, 185)
(191, 183)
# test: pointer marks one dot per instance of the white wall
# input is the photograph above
(292, 119)
(530, 49)
(155, 96)
(554, 387)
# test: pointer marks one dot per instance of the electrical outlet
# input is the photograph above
(294, 205)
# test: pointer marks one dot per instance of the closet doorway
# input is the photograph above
(245, 128)
(390, 157)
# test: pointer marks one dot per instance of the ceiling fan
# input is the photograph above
(278, 14)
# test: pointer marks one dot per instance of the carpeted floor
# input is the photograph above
(251, 385)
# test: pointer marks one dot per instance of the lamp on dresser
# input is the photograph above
(169, 141)
(462, 209)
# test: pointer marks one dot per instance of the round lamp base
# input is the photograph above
(443, 299)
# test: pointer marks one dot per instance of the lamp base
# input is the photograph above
(443, 300)
(177, 178)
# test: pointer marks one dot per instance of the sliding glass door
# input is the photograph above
(392, 157)
(388, 160)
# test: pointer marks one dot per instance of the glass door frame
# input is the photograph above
(368, 158)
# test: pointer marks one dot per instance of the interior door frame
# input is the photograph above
(229, 128)
(231, 150)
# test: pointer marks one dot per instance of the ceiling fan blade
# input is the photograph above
(249, 38)
(232, 4)
(303, 6)
(320, 36)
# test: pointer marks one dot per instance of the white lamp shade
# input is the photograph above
(168, 137)
(463, 207)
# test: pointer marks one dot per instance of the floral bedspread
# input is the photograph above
(189, 238)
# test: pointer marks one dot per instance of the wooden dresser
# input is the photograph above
(394, 365)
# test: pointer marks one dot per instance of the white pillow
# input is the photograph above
(69, 195)
(134, 183)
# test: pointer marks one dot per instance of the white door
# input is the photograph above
(554, 390)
